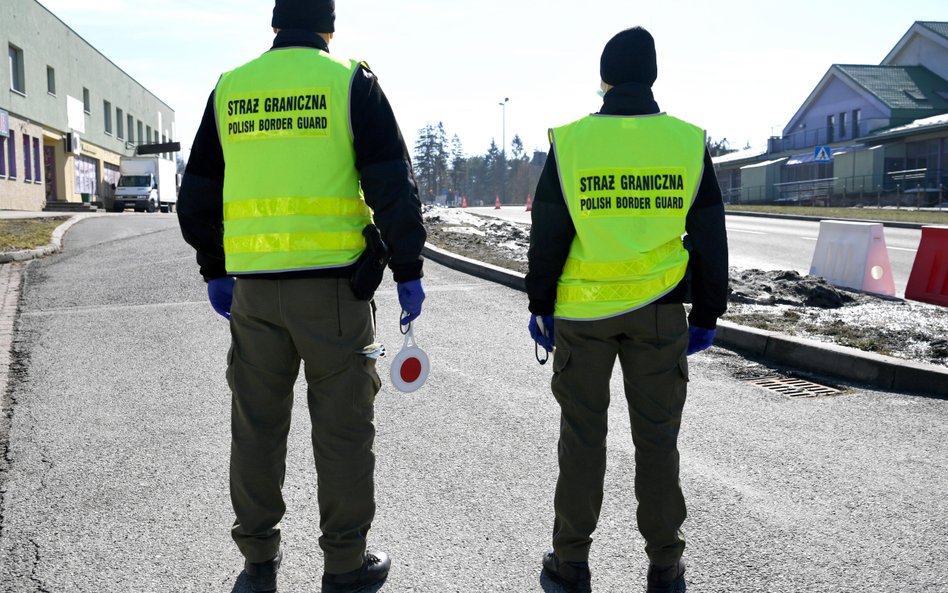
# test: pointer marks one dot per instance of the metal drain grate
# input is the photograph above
(794, 387)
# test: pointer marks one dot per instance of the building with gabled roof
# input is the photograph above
(924, 43)
(849, 117)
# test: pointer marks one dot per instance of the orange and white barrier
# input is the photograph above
(463, 202)
(853, 255)
(928, 281)
(529, 203)
(497, 203)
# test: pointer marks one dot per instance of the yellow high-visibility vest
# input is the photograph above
(629, 182)
(292, 198)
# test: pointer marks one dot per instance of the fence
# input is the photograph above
(900, 189)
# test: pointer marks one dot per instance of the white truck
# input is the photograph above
(147, 183)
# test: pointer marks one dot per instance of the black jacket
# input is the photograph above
(552, 231)
(381, 158)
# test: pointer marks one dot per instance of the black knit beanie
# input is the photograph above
(629, 57)
(317, 16)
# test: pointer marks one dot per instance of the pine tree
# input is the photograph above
(458, 168)
(494, 169)
(430, 161)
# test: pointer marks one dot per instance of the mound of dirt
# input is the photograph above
(807, 306)
(783, 301)
(784, 287)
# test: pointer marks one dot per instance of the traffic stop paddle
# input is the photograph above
(410, 366)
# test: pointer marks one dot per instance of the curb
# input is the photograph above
(841, 362)
(54, 246)
(888, 223)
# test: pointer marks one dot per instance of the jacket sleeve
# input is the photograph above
(201, 198)
(708, 258)
(551, 235)
(387, 179)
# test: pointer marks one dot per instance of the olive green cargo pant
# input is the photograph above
(650, 344)
(275, 324)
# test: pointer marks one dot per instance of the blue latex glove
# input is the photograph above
(699, 339)
(220, 291)
(410, 296)
(544, 336)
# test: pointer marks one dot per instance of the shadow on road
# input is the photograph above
(549, 585)
(242, 585)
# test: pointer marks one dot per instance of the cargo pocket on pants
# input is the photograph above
(560, 359)
(683, 367)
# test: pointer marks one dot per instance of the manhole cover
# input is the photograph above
(794, 387)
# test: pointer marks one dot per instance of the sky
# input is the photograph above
(738, 68)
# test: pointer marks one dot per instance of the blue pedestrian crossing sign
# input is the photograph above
(823, 154)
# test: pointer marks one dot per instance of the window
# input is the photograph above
(27, 164)
(119, 124)
(857, 116)
(842, 124)
(131, 123)
(894, 164)
(140, 136)
(943, 166)
(107, 109)
(920, 155)
(51, 80)
(11, 155)
(830, 127)
(147, 134)
(86, 101)
(37, 165)
(17, 76)
(3, 157)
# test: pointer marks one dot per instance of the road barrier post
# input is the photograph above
(853, 255)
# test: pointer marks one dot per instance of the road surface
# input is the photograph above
(116, 473)
(776, 244)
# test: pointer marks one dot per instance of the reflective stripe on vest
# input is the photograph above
(629, 183)
(292, 199)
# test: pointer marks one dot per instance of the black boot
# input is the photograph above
(374, 569)
(666, 579)
(573, 576)
(263, 575)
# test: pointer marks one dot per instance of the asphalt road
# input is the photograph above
(776, 244)
(117, 464)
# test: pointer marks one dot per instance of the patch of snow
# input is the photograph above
(919, 123)
(452, 216)
(464, 230)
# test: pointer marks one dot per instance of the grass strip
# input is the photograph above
(880, 214)
(27, 233)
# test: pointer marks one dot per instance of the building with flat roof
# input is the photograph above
(69, 113)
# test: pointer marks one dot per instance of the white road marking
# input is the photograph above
(748, 232)
(904, 249)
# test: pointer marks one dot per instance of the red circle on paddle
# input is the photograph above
(411, 370)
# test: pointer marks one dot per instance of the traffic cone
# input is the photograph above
(497, 204)
(529, 202)
(463, 202)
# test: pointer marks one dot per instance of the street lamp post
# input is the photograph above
(503, 147)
